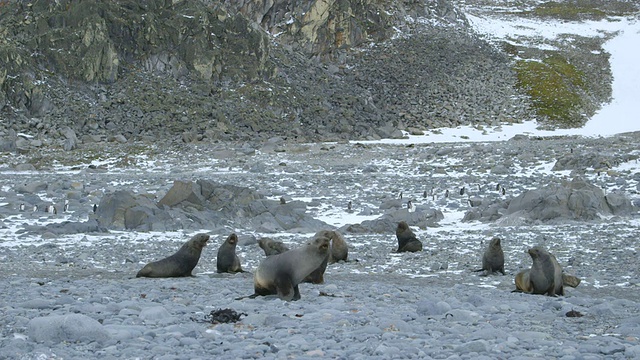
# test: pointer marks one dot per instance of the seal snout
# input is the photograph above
(233, 238)
(324, 245)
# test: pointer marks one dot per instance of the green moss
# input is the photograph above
(582, 9)
(568, 10)
(554, 86)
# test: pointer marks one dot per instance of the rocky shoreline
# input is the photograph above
(378, 304)
(433, 72)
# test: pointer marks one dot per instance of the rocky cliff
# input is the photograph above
(209, 70)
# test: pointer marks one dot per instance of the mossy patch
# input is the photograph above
(582, 9)
(554, 86)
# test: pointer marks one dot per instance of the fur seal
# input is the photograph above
(280, 274)
(407, 240)
(544, 277)
(339, 250)
(179, 264)
(570, 280)
(524, 285)
(227, 260)
(493, 257)
(272, 247)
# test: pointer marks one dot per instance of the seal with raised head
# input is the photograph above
(280, 274)
(339, 250)
(179, 264)
(227, 261)
(523, 284)
(407, 240)
(493, 258)
(272, 247)
(545, 276)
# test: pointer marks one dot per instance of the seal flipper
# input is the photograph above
(285, 288)
(296, 293)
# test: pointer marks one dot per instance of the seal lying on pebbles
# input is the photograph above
(280, 274)
(272, 247)
(544, 277)
(179, 264)
(407, 240)
(493, 258)
(227, 260)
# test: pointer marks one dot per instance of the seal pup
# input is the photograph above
(272, 247)
(493, 258)
(545, 276)
(280, 274)
(227, 260)
(407, 240)
(179, 264)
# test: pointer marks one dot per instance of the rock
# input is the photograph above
(25, 167)
(183, 191)
(422, 217)
(113, 211)
(71, 141)
(32, 187)
(70, 328)
(574, 200)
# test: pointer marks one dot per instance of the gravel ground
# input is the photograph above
(76, 296)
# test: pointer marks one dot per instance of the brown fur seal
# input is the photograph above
(544, 277)
(407, 240)
(570, 280)
(339, 249)
(227, 260)
(272, 247)
(493, 258)
(280, 274)
(179, 264)
(524, 285)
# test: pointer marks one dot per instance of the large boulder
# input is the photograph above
(569, 200)
(70, 328)
(203, 204)
(422, 217)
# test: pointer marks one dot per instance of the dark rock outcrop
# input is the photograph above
(188, 71)
(571, 200)
(422, 218)
(202, 204)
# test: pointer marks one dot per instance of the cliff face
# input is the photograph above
(195, 70)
